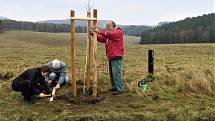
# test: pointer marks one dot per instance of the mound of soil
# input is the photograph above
(84, 99)
(81, 98)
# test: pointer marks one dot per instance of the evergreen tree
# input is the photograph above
(190, 30)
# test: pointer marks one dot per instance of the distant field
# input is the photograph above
(40, 40)
(184, 86)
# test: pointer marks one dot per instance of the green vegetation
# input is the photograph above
(199, 29)
(59, 26)
(1, 26)
(184, 86)
(64, 26)
(12, 25)
(135, 30)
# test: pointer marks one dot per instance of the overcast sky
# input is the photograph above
(132, 12)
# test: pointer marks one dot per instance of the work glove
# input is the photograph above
(53, 92)
(55, 89)
(57, 86)
(43, 95)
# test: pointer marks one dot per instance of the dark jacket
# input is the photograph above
(37, 81)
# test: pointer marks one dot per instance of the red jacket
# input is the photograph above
(113, 42)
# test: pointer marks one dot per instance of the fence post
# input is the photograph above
(150, 62)
(73, 53)
(94, 54)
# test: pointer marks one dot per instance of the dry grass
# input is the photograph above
(25, 39)
(197, 81)
(183, 89)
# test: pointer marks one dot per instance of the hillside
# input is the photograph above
(130, 30)
(60, 26)
(13, 25)
(199, 29)
(101, 23)
(135, 30)
(3, 18)
(40, 39)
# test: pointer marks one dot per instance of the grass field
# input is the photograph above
(184, 86)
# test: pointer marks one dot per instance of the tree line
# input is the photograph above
(12, 25)
(8, 25)
(135, 30)
(199, 29)
(1, 26)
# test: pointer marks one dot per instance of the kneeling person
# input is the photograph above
(32, 82)
(58, 75)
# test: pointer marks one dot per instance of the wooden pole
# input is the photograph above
(73, 56)
(95, 55)
(88, 55)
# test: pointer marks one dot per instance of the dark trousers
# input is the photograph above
(24, 86)
(115, 74)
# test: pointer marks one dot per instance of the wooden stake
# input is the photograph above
(95, 55)
(73, 53)
(88, 55)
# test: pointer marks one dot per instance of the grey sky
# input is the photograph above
(145, 12)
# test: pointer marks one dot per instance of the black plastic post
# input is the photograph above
(151, 62)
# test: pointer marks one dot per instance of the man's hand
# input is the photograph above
(91, 33)
(49, 82)
(96, 29)
(43, 95)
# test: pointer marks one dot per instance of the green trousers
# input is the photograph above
(115, 75)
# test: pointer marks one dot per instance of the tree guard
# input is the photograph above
(91, 52)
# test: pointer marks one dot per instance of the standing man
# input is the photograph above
(32, 82)
(58, 75)
(113, 39)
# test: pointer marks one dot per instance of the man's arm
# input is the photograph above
(100, 35)
(49, 64)
(46, 89)
(45, 86)
(101, 38)
(112, 35)
(46, 79)
(35, 89)
(62, 75)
